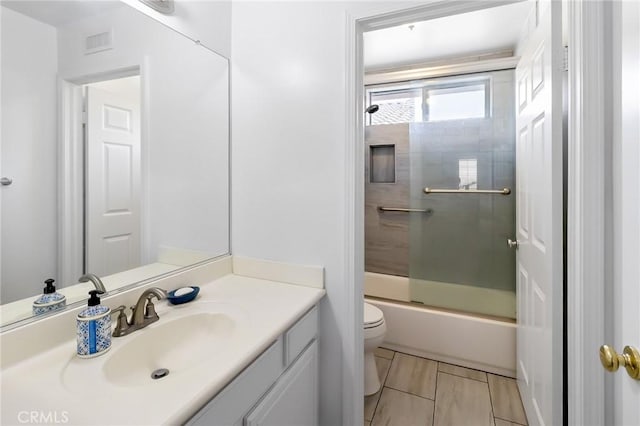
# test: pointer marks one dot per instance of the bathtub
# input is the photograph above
(468, 340)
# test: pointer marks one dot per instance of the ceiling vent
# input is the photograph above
(98, 42)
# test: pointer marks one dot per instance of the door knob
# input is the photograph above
(629, 359)
(6, 181)
(512, 243)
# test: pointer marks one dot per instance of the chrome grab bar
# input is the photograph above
(404, 210)
(503, 191)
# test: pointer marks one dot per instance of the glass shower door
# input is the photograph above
(459, 257)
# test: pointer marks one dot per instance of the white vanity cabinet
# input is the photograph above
(279, 388)
(293, 400)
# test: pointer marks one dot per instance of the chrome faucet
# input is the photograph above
(95, 280)
(144, 313)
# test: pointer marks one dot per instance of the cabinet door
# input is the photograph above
(293, 401)
(232, 403)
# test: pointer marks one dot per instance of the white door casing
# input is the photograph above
(112, 205)
(539, 216)
(626, 205)
(357, 23)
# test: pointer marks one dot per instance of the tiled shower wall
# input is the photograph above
(387, 233)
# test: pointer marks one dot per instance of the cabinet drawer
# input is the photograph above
(299, 336)
(230, 405)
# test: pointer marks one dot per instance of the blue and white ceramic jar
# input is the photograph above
(93, 328)
(50, 300)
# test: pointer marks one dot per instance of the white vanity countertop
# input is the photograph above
(266, 309)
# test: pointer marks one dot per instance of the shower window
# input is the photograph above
(400, 105)
(430, 101)
(457, 102)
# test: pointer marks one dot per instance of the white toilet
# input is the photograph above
(374, 330)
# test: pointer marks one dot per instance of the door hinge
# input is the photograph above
(565, 58)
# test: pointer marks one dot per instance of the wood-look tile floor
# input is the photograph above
(419, 391)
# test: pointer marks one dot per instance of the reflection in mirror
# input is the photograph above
(115, 136)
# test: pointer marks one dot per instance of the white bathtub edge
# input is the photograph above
(472, 342)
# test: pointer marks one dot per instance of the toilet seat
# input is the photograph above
(373, 316)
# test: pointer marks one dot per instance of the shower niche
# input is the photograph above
(382, 167)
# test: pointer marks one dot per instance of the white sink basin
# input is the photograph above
(184, 339)
(176, 345)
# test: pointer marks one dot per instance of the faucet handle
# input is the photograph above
(122, 324)
(150, 310)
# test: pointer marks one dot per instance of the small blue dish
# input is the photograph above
(178, 300)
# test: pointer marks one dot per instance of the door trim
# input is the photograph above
(356, 25)
(70, 173)
(70, 183)
(586, 212)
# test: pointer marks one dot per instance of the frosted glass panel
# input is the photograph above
(459, 258)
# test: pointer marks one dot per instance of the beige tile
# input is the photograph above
(505, 397)
(461, 401)
(371, 401)
(384, 353)
(370, 404)
(413, 374)
(500, 422)
(402, 409)
(383, 365)
(462, 371)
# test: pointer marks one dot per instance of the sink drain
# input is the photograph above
(159, 373)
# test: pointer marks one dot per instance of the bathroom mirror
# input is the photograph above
(115, 150)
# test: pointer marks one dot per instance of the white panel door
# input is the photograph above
(112, 210)
(626, 213)
(539, 216)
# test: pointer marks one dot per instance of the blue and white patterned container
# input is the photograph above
(93, 328)
(49, 301)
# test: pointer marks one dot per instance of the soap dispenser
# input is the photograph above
(50, 300)
(93, 328)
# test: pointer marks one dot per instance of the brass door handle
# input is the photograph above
(629, 359)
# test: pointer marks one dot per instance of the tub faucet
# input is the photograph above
(95, 280)
(144, 312)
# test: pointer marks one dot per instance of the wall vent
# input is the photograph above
(98, 42)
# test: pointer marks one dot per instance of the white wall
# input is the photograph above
(28, 155)
(288, 156)
(185, 126)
